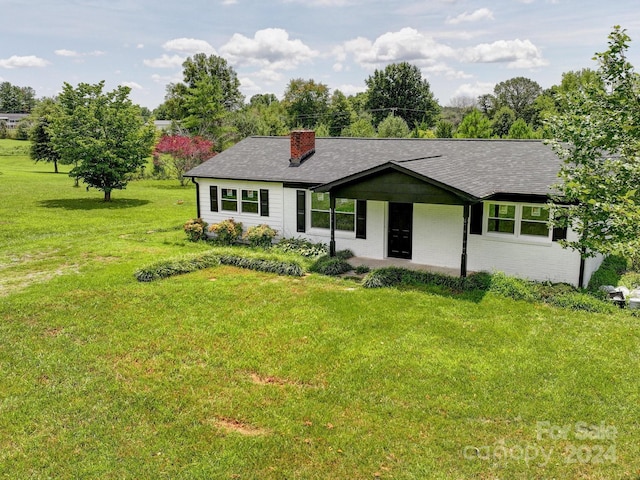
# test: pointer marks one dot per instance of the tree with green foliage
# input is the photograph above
(519, 94)
(502, 121)
(340, 113)
(400, 89)
(596, 135)
(14, 99)
(42, 149)
(444, 129)
(362, 127)
(521, 130)
(202, 67)
(393, 127)
(474, 125)
(104, 134)
(306, 102)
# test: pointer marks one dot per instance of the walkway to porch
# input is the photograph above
(401, 262)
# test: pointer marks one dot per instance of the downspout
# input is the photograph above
(465, 236)
(582, 266)
(332, 221)
(197, 196)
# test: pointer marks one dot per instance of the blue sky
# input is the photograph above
(463, 47)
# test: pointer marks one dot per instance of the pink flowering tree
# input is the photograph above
(184, 152)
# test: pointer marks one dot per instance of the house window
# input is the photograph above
(535, 221)
(320, 210)
(250, 201)
(321, 214)
(230, 199)
(502, 218)
(518, 220)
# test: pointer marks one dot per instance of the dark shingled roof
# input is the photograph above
(480, 168)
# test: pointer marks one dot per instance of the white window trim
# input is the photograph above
(321, 230)
(257, 202)
(516, 237)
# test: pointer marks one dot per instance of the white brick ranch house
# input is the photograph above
(473, 205)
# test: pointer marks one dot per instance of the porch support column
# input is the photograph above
(465, 235)
(332, 221)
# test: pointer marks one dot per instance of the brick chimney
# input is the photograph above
(303, 145)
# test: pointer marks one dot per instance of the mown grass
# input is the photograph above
(231, 373)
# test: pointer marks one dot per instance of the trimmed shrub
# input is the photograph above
(263, 265)
(195, 229)
(327, 265)
(176, 266)
(609, 273)
(227, 232)
(302, 247)
(512, 287)
(580, 301)
(260, 235)
(345, 254)
(361, 269)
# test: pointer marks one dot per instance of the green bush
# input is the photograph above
(176, 266)
(345, 254)
(263, 265)
(360, 269)
(631, 280)
(608, 274)
(227, 232)
(327, 265)
(260, 235)
(195, 229)
(512, 287)
(580, 301)
(302, 247)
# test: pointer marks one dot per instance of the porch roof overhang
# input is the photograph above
(392, 182)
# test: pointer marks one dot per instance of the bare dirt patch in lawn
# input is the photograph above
(236, 426)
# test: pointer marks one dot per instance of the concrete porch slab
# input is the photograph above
(403, 263)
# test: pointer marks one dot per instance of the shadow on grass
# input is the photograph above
(92, 203)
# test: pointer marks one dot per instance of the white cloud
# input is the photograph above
(140, 45)
(405, 45)
(270, 48)
(66, 53)
(229, 2)
(132, 85)
(445, 70)
(321, 3)
(74, 54)
(165, 61)
(189, 46)
(23, 62)
(515, 53)
(474, 90)
(351, 89)
(476, 16)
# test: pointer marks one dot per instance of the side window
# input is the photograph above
(250, 201)
(502, 218)
(230, 199)
(535, 221)
(320, 213)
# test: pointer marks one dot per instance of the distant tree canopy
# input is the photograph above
(306, 102)
(41, 147)
(14, 99)
(400, 89)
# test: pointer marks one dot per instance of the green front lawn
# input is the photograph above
(229, 373)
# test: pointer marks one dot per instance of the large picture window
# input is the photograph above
(518, 220)
(230, 199)
(321, 213)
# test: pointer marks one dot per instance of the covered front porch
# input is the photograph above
(408, 228)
